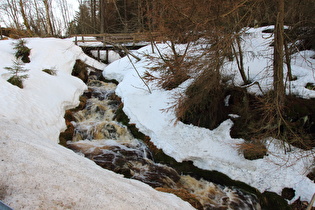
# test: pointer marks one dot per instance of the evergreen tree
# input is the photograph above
(18, 74)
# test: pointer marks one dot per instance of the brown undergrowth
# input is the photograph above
(203, 104)
(172, 70)
(208, 104)
(258, 120)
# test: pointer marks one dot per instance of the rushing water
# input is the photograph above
(111, 145)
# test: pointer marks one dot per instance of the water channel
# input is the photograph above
(110, 144)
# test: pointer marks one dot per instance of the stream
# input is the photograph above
(110, 144)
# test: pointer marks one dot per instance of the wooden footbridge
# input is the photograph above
(120, 43)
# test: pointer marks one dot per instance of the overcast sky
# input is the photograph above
(73, 6)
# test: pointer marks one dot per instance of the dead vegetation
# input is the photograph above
(211, 97)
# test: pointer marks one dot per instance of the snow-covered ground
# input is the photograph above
(215, 149)
(38, 173)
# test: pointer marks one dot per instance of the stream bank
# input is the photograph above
(113, 146)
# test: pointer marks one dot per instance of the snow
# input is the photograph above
(38, 173)
(215, 149)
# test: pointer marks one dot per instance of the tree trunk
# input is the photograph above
(288, 60)
(13, 13)
(93, 15)
(239, 59)
(25, 20)
(102, 16)
(125, 17)
(278, 83)
(48, 18)
(39, 20)
(65, 13)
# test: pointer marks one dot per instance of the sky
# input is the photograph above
(73, 7)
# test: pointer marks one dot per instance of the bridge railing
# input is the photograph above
(118, 38)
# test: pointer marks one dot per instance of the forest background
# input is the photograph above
(218, 27)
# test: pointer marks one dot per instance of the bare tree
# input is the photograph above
(64, 8)
(49, 22)
(102, 15)
(12, 12)
(278, 82)
(25, 20)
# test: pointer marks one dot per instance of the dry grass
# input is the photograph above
(252, 150)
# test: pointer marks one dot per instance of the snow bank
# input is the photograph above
(40, 105)
(215, 149)
(36, 172)
(44, 98)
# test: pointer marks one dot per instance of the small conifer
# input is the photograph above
(22, 51)
(17, 71)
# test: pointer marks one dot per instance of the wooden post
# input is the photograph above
(106, 56)
(134, 39)
(76, 40)
(1, 33)
(98, 55)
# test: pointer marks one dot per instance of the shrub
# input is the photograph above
(173, 68)
(204, 103)
(258, 120)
